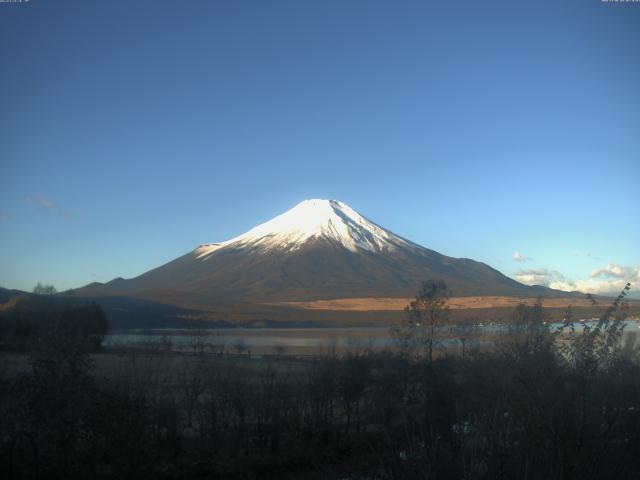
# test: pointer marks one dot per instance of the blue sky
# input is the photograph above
(130, 132)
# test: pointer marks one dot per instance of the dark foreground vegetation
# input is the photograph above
(28, 321)
(533, 408)
(540, 405)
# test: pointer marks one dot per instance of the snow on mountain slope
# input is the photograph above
(320, 249)
(314, 219)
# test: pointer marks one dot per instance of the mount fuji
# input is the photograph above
(318, 250)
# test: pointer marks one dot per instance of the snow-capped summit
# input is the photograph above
(318, 219)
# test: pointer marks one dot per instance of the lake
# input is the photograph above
(302, 340)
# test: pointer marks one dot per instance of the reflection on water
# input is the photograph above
(266, 337)
(218, 340)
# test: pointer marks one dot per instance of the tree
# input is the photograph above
(353, 380)
(527, 317)
(41, 289)
(465, 333)
(87, 322)
(60, 394)
(427, 312)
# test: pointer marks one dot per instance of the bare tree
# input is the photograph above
(191, 382)
(465, 333)
(240, 346)
(41, 289)
(427, 312)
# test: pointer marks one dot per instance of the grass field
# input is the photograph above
(455, 303)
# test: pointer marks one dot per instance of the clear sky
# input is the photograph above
(503, 131)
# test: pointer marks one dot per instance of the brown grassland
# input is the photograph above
(455, 303)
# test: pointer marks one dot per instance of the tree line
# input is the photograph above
(539, 405)
(29, 319)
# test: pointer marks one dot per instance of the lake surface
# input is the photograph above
(230, 339)
(303, 340)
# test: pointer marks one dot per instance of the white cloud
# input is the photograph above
(613, 270)
(43, 203)
(600, 287)
(520, 257)
(539, 276)
(609, 280)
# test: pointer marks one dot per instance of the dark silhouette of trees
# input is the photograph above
(529, 317)
(36, 317)
(426, 313)
(42, 289)
(87, 322)
(538, 404)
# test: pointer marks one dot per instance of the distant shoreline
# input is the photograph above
(455, 303)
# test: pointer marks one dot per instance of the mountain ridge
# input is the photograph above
(319, 249)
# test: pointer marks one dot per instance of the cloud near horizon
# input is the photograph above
(539, 276)
(520, 257)
(47, 205)
(613, 270)
(609, 280)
